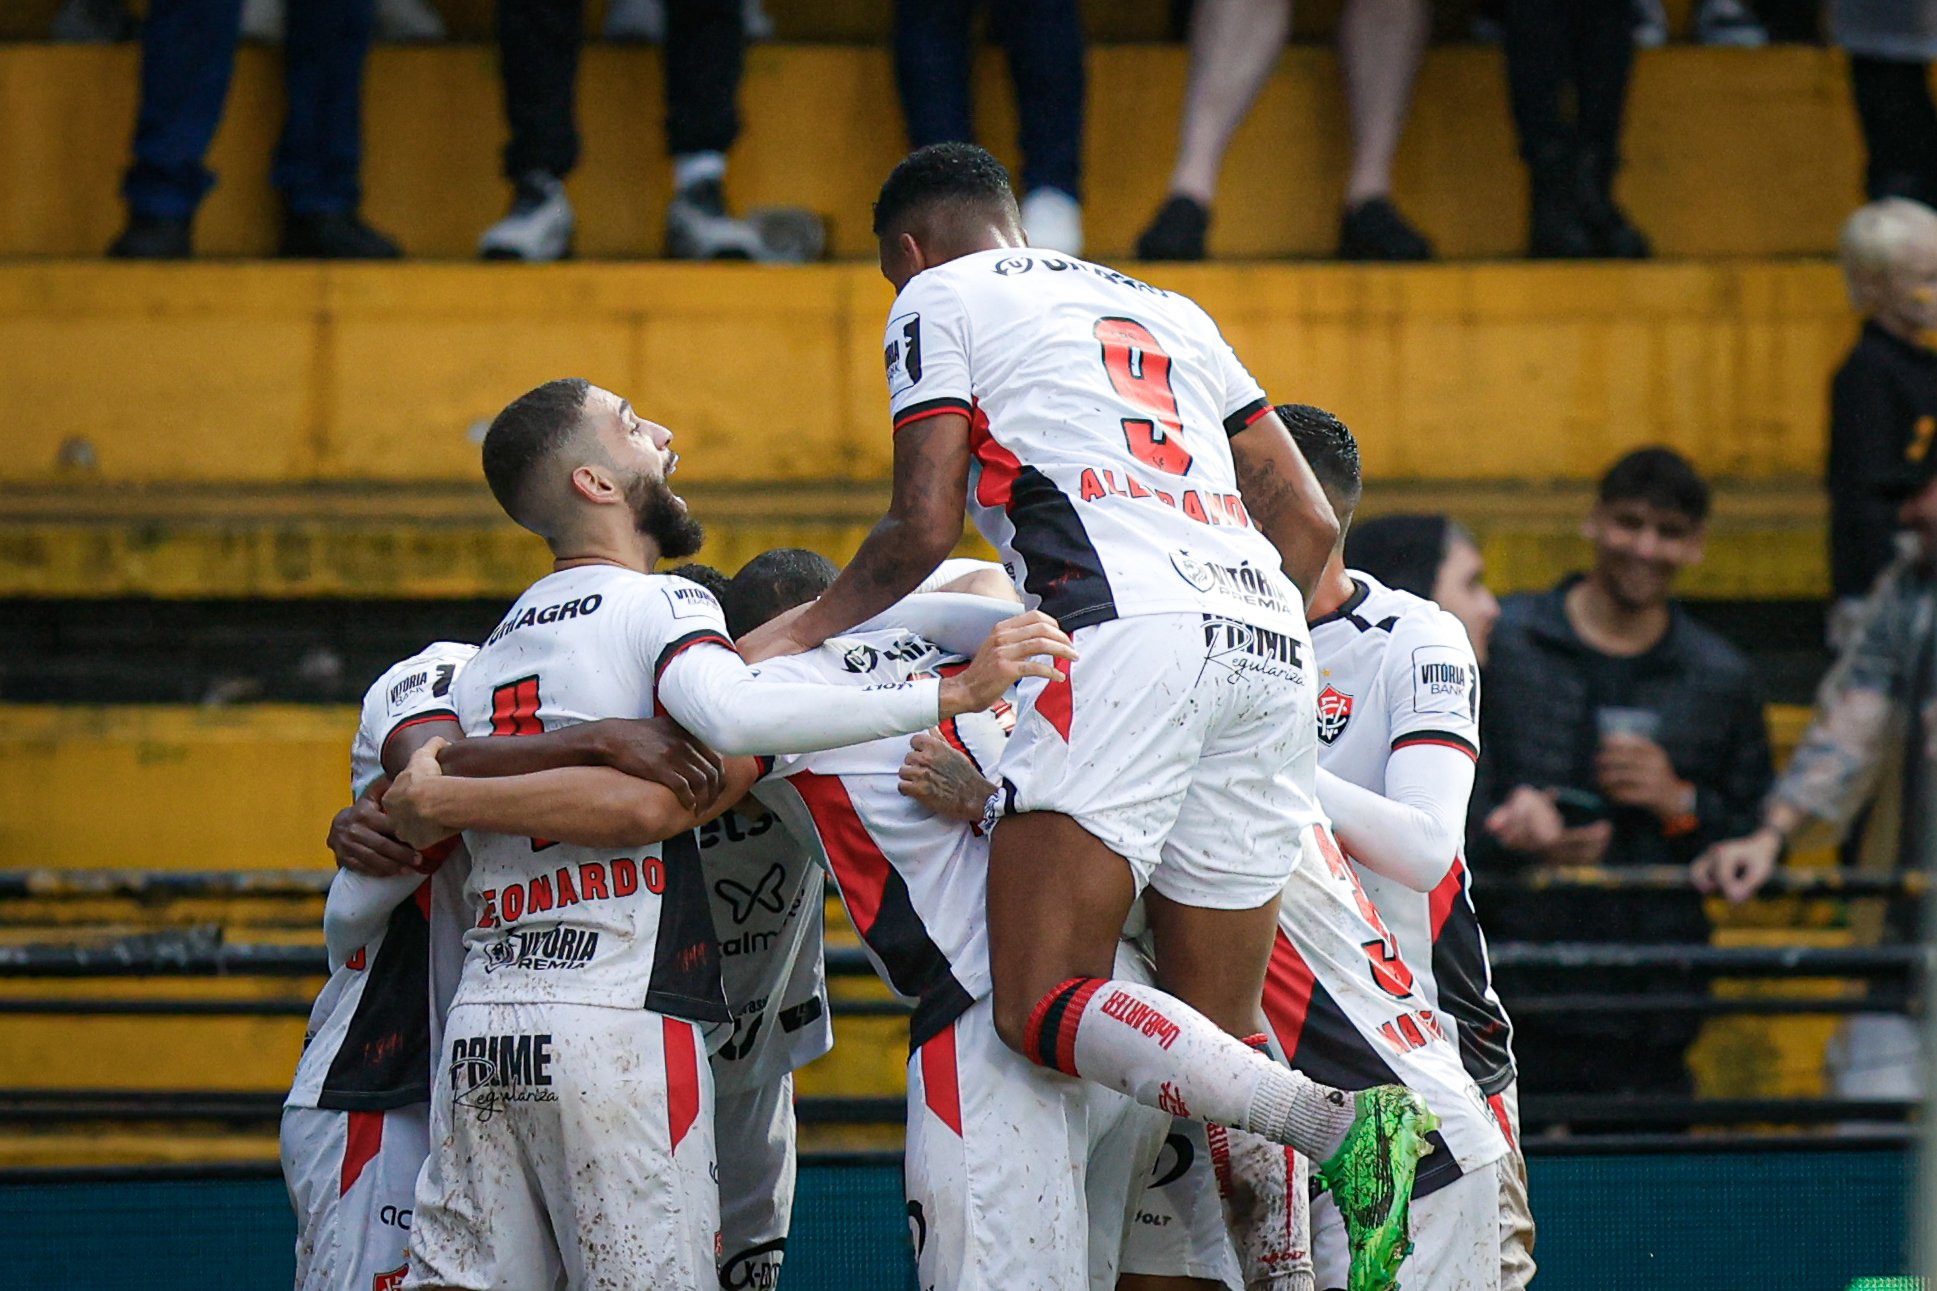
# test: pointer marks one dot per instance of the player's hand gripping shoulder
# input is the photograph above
(1023, 646)
(364, 839)
(941, 778)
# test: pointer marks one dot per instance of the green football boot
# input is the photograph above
(1370, 1179)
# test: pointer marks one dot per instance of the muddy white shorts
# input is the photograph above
(1455, 1237)
(568, 1139)
(1516, 1215)
(1178, 1228)
(352, 1177)
(1187, 744)
(754, 1139)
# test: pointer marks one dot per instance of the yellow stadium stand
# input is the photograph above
(1730, 152)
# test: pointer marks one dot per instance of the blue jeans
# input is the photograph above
(187, 60)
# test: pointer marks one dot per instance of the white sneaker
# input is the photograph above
(1053, 220)
(1650, 24)
(698, 227)
(636, 20)
(409, 21)
(537, 229)
(1729, 23)
(262, 20)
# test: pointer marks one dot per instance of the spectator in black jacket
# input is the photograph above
(1619, 732)
(1883, 402)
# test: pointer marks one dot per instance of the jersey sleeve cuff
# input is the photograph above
(415, 719)
(1244, 416)
(930, 408)
(704, 636)
(1439, 739)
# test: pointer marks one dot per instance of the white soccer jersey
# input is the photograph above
(561, 923)
(766, 895)
(1396, 670)
(366, 1047)
(914, 885)
(1100, 413)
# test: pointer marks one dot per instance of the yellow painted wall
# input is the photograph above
(279, 373)
(1729, 152)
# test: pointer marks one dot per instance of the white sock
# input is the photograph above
(1165, 1054)
(691, 168)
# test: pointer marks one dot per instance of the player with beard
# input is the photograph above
(572, 1123)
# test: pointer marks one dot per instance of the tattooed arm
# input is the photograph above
(1284, 499)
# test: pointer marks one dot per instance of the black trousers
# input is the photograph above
(538, 44)
(1899, 127)
(934, 56)
(1567, 74)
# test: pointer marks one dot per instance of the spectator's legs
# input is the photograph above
(187, 57)
(705, 59)
(1899, 127)
(1603, 56)
(934, 59)
(1535, 34)
(538, 44)
(1380, 44)
(1045, 43)
(320, 156)
(1234, 44)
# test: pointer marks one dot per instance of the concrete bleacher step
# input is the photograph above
(1730, 152)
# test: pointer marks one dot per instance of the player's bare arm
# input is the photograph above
(923, 524)
(363, 838)
(1285, 500)
(655, 749)
(942, 778)
(593, 806)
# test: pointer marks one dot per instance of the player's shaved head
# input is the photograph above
(522, 445)
(1331, 451)
(948, 200)
(774, 582)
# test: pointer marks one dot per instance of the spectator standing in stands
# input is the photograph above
(934, 61)
(1234, 44)
(1891, 44)
(187, 60)
(1431, 556)
(538, 50)
(1619, 732)
(1567, 82)
(1879, 700)
(1883, 402)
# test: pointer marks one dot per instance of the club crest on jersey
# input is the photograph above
(1334, 711)
(390, 1281)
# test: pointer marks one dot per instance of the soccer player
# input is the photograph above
(572, 1125)
(355, 1123)
(1140, 489)
(1398, 731)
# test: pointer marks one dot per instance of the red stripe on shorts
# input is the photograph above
(941, 1088)
(1498, 1103)
(1443, 897)
(1288, 984)
(682, 1078)
(1056, 701)
(361, 1142)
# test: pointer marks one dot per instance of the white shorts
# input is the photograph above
(568, 1140)
(753, 1132)
(1018, 1178)
(1455, 1237)
(1516, 1215)
(351, 1178)
(1186, 745)
(1178, 1229)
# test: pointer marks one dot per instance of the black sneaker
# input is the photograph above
(152, 237)
(338, 235)
(1374, 230)
(1177, 233)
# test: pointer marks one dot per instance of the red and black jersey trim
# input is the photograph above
(1246, 415)
(1462, 977)
(384, 1060)
(685, 981)
(1062, 567)
(416, 719)
(930, 408)
(681, 645)
(1443, 739)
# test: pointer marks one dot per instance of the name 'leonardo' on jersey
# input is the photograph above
(1100, 411)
